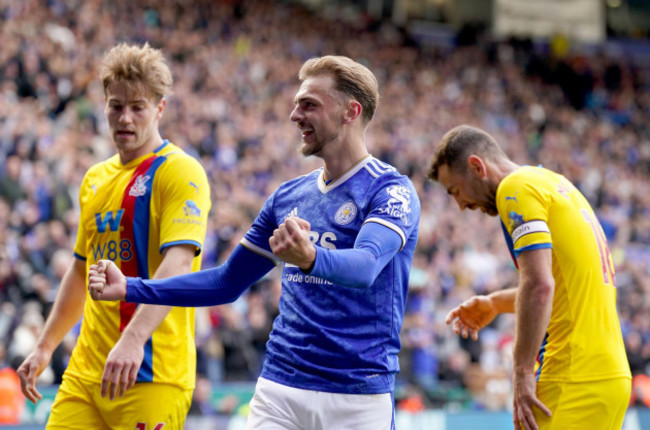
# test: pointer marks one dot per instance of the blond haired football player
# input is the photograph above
(145, 209)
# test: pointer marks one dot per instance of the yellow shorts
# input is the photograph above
(583, 405)
(146, 406)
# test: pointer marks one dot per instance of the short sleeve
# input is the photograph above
(523, 204)
(185, 203)
(396, 205)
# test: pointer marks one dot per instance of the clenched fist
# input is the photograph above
(291, 243)
(106, 281)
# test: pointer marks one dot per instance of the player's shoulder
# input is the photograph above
(530, 176)
(294, 188)
(102, 167)
(175, 154)
(535, 181)
(392, 188)
(522, 174)
(380, 169)
(385, 175)
(179, 161)
(300, 181)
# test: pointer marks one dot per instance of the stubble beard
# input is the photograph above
(307, 149)
(127, 145)
(491, 204)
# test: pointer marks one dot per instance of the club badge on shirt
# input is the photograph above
(346, 213)
(139, 187)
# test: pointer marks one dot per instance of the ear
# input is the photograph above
(160, 108)
(477, 166)
(352, 111)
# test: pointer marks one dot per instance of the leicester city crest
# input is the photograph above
(346, 213)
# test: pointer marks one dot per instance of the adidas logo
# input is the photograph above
(294, 212)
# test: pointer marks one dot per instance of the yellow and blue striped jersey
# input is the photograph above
(542, 209)
(129, 214)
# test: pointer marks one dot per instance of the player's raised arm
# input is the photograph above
(208, 287)
(106, 281)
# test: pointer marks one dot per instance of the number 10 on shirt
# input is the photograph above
(603, 249)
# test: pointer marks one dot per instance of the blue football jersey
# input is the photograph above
(330, 337)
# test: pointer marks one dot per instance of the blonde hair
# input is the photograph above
(458, 144)
(351, 78)
(139, 68)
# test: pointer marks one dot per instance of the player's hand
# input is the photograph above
(29, 370)
(471, 316)
(291, 243)
(106, 281)
(524, 399)
(121, 368)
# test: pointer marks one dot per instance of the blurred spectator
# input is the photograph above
(240, 359)
(12, 401)
(202, 397)
(10, 187)
(640, 390)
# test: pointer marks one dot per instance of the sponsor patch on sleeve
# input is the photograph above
(528, 228)
(398, 204)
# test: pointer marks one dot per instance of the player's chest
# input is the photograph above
(334, 219)
(107, 191)
(111, 198)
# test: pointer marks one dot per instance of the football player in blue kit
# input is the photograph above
(345, 234)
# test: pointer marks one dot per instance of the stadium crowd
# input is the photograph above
(234, 64)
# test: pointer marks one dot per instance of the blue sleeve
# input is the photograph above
(216, 286)
(358, 267)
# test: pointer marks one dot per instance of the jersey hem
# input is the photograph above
(182, 242)
(325, 389)
(259, 250)
(84, 377)
(586, 378)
